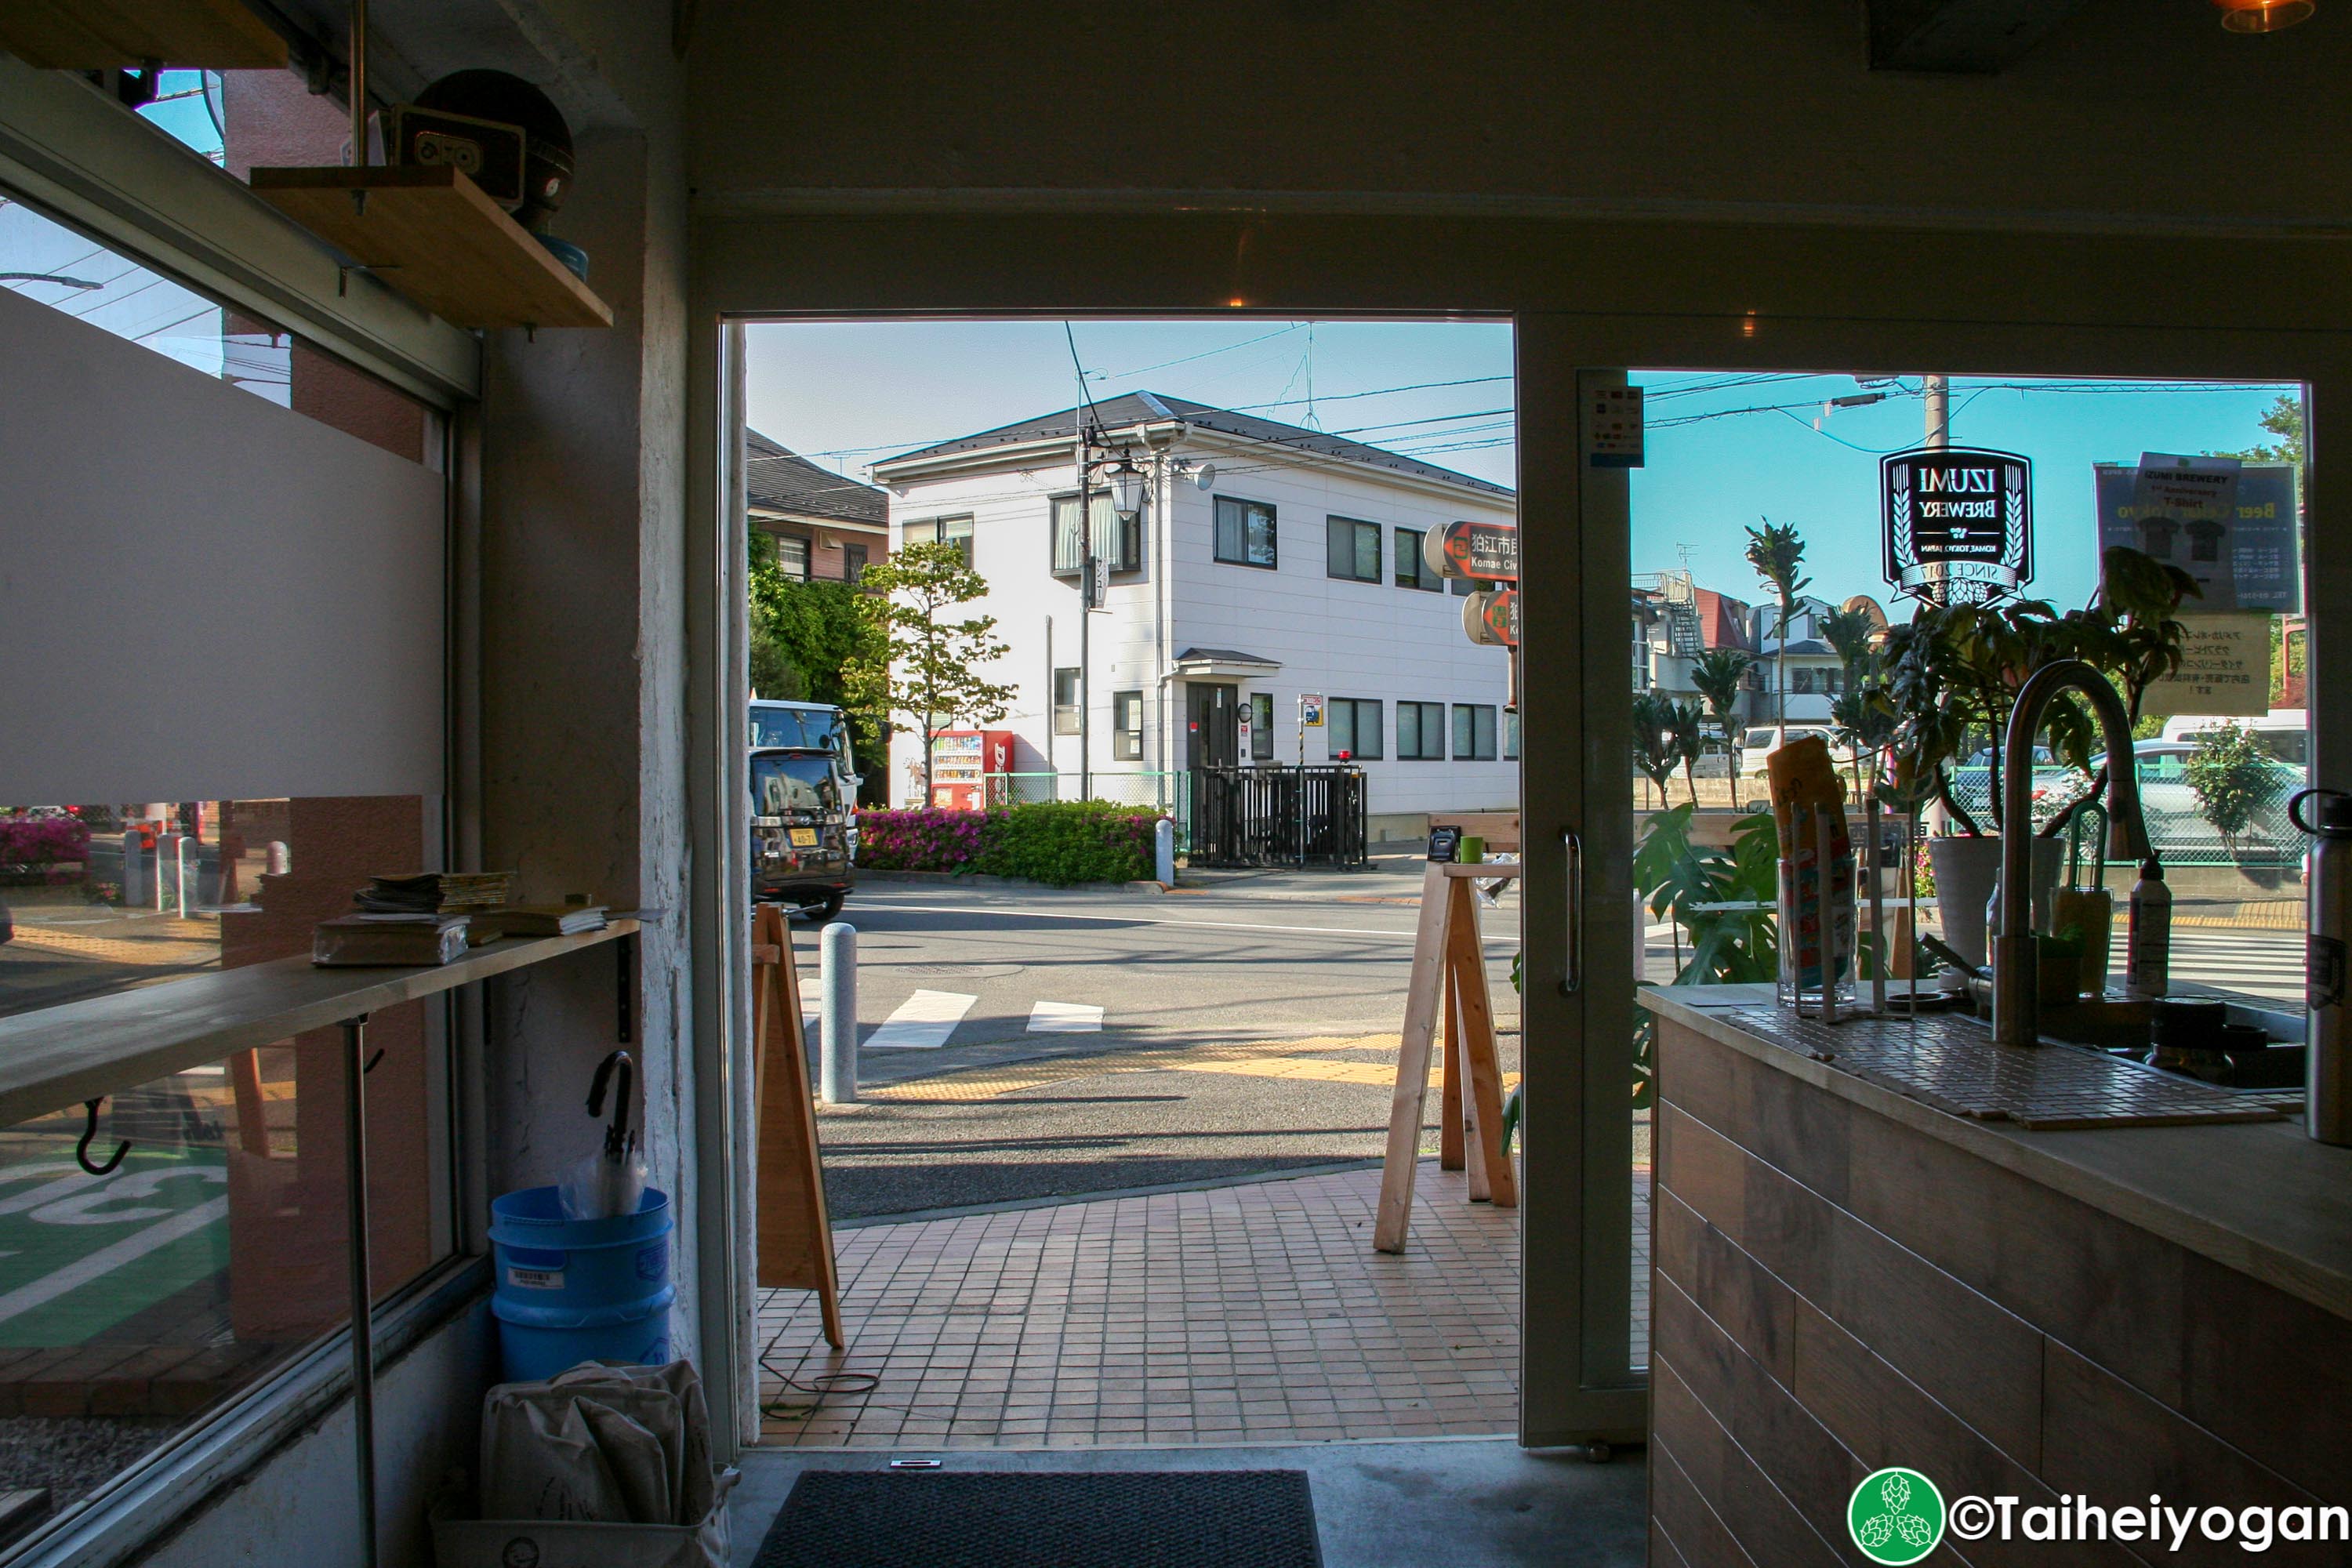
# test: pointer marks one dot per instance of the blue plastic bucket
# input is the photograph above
(570, 1290)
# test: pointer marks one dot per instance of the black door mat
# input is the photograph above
(1102, 1519)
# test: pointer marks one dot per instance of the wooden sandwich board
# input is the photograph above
(795, 1240)
(1449, 979)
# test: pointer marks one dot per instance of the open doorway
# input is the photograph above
(1111, 1171)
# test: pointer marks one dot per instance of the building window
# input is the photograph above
(1412, 570)
(792, 556)
(1421, 731)
(1245, 532)
(1127, 726)
(940, 531)
(1065, 701)
(1510, 737)
(1353, 726)
(1353, 549)
(1474, 732)
(1261, 726)
(1118, 535)
(853, 562)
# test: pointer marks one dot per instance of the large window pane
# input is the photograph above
(1245, 532)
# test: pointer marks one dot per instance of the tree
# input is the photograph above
(1653, 739)
(1687, 740)
(919, 665)
(1853, 635)
(805, 636)
(1717, 675)
(1777, 552)
(2232, 777)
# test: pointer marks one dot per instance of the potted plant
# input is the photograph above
(1950, 678)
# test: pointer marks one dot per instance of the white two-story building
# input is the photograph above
(1268, 562)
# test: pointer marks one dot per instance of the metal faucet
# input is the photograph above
(2016, 951)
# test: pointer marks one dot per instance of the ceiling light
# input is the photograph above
(2263, 15)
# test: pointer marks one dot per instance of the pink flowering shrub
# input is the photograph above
(42, 840)
(1058, 842)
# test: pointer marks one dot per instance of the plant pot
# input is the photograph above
(1965, 869)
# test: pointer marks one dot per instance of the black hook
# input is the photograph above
(617, 1141)
(89, 1132)
(372, 1061)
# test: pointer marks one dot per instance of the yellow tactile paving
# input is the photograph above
(159, 941)
(1310, 1057)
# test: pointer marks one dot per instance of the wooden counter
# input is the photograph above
(1845, 1277)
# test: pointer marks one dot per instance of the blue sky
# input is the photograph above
(852, 392)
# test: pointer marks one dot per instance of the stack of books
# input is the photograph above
(537, 920)
(435, 892)
(401, 941)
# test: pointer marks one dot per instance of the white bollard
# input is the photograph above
(279, 860)
(1163, 850)
(838, 1013)
(134, 866)
(179, 875)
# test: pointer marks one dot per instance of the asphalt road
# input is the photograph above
(1240, 1032)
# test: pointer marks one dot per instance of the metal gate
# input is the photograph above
(1274, 816)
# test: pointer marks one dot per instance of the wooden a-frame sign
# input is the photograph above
(795, 1240)
(1449, 975)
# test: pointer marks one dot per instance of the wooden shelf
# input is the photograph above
(92, 34)
(434, 235)
(60, 1057)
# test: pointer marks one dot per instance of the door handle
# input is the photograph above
(1572, 969)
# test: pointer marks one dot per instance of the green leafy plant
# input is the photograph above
(1777, 552)
(1717, 675)
(922, 664)
(1653, 739)
(2234, 779)
(805, 639)
(1687, 734)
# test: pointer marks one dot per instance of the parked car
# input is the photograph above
(800, 832)
(1760, 740)
(2175, 822)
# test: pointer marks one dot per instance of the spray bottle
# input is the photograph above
(2147, 956)
(2327, 1053)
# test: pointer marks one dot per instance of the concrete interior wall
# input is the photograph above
(2131, 109)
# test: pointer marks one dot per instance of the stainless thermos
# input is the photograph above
(2327, 874)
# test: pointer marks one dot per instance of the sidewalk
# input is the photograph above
(1394, 877)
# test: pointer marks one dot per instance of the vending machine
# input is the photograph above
(970, 769)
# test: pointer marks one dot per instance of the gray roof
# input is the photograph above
(1224, 656)
(775, 479)
(1147, 408)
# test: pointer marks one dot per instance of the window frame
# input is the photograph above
(1354, 530)
(1421, 712)
(1473, 711)
(1126, 534)
(1126, 736)
(1066, 717)
(1356, 708)
(786, 544)
(1261, 726)
(1423, 581)
(1273, 563)
(913, 532)
(1509, 726)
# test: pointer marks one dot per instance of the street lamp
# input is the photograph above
(1125, 484)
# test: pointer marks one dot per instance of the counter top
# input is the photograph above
(2257, 1196)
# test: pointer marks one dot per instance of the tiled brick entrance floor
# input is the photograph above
(1256, 1312)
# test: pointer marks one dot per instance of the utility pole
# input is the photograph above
(1939, 416)
(1086, 606)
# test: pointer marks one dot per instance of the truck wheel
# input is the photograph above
(826, 910)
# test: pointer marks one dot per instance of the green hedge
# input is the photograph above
(1060, 841)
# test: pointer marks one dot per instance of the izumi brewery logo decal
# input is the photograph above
(1896, 1516)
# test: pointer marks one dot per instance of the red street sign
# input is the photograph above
(1491, 617)
(1486, 550)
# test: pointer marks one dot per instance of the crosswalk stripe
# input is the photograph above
(1065, 1018)
(922, 1023)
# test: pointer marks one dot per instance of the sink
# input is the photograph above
(2119, 1026)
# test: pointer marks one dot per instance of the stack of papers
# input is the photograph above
(537, 920)
(435, 892)
(393, 941)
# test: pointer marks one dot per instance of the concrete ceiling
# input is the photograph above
(413, 42)
(1977, 35)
